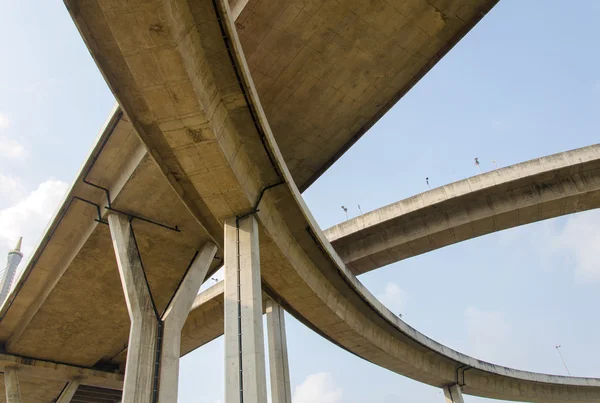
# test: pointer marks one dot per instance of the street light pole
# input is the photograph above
(562, 359)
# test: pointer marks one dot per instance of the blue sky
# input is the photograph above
(524, 83)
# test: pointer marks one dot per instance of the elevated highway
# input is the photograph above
(298, 265)
(293, 49)
(535, 190)
(542, 188)
(179, 72)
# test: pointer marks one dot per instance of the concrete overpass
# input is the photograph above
(520, 194)
(185, 83)
(542, 188)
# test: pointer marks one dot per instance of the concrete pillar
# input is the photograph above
(141, 351)
(69, 391)
(453, 394)
(11, 385)
(244, 342)
(174, 319)
(278, 357)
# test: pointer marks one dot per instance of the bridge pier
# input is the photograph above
(11, 385)
(453, 394)
(174, 318)
(152, 371)
(138, 385)
(245, 373)
(278, 357)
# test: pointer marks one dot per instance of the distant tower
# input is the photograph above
(8, 274)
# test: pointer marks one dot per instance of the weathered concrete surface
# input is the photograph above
(278, 356)
(244, 340)
(535, 190)
(213, 87)
(34, 390)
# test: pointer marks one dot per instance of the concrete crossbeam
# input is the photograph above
(139, 373)
(11, 385)
(174, 318)
(50, 371)
(278, 357)
(245, 374)
(69, 391)
(453, 394)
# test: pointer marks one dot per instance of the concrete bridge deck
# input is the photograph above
(520, 194)
(179, 71)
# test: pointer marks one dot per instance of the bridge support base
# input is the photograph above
(278, 357)
(11, 385)
(245, 373)
(453, 394)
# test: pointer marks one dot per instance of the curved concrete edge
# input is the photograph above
(535, 190)
(271, 218)
(205, 323)
(528, 169)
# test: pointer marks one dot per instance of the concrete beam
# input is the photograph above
(278, 357)
(175, 315)
(141, 353)
(11, 385)
(244, 341)
(69, 391)
(32, 368)
(453, 394)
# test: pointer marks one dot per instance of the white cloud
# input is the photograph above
(318, 388)
(29, 216)
(488, 334)
(10, 188)
(394, 298)
(9, 147)
(4, 121)
(579, 239)
(567, 243)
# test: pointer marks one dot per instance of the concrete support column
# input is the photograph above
(69, 391)
(278, 357)
(453, 394)
(11, 385)
(174, 319)
(141, 351)
(245, 374)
